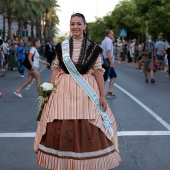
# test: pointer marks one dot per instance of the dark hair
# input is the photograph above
(34, 41)
(79, 15)
(85, 32)
(1, 41)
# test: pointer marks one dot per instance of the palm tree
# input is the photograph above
(11, 7)
(30, 10)
(39, 11)
(50, 11)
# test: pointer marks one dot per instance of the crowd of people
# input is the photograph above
(148, 56)
(12, 55)
(131, 51)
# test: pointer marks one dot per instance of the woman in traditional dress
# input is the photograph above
(70, 133)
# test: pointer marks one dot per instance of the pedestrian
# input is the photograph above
(5, 47)
(20, 54)
(119, 51)
(129, 59)
(49, 51)
(168, 57)
(33, 73)
(107, 53)
(70, 133)
(160, 48)
(148, 54)
(132, 50)
(1, 61)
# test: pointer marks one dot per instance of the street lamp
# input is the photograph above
(4, 16)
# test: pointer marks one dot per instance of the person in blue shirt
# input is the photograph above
(20, 54)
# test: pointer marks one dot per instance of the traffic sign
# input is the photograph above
(123, 33)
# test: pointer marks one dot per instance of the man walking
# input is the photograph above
(148, 53)
(107, 47)
(20, 54)
(49, 52)
(160, 48)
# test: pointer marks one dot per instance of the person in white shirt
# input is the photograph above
(107, 46)
(33, 73)
(5, 47)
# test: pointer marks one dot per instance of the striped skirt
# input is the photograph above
(70, 134)
(76, 145)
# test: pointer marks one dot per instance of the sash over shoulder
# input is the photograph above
(85, 86)
(90, 54)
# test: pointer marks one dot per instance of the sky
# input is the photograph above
(89, 8)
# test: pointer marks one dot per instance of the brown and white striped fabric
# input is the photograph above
(55, 163)
(70, 102)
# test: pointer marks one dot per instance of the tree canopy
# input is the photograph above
(137, 17)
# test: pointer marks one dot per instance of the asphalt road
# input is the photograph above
(142, 112)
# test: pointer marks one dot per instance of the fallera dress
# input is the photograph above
(70, 134)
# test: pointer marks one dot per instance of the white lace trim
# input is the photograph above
(74, 154)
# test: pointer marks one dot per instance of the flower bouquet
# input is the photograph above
(44, 92)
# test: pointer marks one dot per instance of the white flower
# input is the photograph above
(47, 86)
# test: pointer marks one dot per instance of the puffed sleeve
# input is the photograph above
(98, 65)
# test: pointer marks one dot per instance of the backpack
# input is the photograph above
(145, 45)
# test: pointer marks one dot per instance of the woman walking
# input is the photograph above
(33, 73)
(70, 133)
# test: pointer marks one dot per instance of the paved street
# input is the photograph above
(142, 112)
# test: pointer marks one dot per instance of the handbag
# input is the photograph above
(106, 62)
(26, 62)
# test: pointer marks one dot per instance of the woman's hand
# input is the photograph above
(48, 64)
(103, 103)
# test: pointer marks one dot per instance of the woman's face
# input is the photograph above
(77, 27)
(37, 44)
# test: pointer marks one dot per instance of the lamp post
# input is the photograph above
(4, 17)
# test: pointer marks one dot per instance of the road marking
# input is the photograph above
(121, 133)
(157, 117)
(144, 133)
(17, 135)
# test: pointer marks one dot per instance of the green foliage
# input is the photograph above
(132, 15)
(97, 30)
